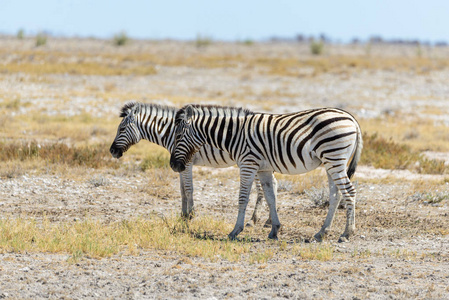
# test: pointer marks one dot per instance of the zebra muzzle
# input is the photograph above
(116, 153)
(177, 165)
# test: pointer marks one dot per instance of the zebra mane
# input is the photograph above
(139, 106)
(213, 110)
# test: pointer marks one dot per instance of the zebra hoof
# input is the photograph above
(318, 237)
(343, 239)
(275, 238)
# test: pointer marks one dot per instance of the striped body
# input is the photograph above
(286, 143)
(155, 123)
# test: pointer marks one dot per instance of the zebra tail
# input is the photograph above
(356, 155)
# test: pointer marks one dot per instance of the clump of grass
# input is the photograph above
(299, 184)
(321, 252)
(202, 41)
(88, 156)
(41, 39)
(319, 197)
(156, 160)
(121, 39)
(387, 154)
(430, 197)
(316, 47)
(20, 34)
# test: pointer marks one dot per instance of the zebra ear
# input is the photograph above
(127, 108)
(188, 112)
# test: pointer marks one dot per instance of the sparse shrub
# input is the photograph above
(20, 34)
(248, 42)
(430, 197)
(41, 39)
(316, 48)
(98, 181)
(202, 41)
(121, 39)
(319, 197)
(387, 154)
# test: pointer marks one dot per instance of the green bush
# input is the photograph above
(20, 34)
(41, 39)
(121, 39)
(316, 48)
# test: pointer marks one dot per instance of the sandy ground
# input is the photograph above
(400, 251)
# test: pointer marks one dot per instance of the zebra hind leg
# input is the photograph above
(256, 215)
(334, 200)
(348, 193)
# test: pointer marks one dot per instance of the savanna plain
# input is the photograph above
(76, 223)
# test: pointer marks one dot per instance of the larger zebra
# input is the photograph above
(155, 123)
(262, 143)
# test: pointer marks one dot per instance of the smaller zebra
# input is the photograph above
(263, 143)
(155, 123)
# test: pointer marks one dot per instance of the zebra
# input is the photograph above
(263, 143)
(155, 123)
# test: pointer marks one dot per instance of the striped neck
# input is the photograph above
(156, 124)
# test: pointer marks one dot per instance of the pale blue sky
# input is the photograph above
(230, 20)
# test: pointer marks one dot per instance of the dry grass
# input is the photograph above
(204, 237)
(88, 156)
(388, 154)
(136, 62)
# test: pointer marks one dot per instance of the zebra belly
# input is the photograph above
(212, 157)
(310, 164)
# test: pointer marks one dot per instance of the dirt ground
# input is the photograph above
(393, 255)
(401, 246)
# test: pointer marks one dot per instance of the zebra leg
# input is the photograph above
(187, 192)
(255, 217)
(275, 189)
(334, 200)
(247, 175)
(270, 190)
(348, 193)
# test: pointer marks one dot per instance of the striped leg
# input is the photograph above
(348, 193)
(255, 217)
(269, 187)
(260, 195)
(187, 192)
(334, 200)
(247, 174)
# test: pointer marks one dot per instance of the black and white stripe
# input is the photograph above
(263, 143)
(155, 123)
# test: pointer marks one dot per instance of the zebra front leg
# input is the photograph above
(187, 192)
(246, 180)
(270, 190)
(334, 200)
(255, 217)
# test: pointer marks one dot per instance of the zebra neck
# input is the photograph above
(224, 133)
(158, 128)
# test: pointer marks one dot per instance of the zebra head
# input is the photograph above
(187, 140)
(128, 133)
